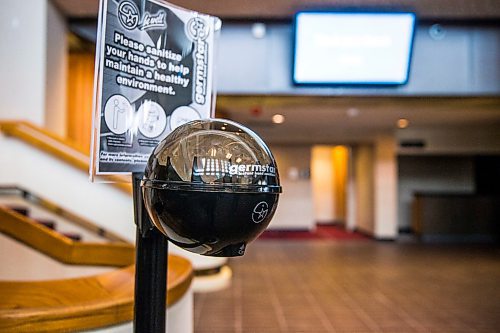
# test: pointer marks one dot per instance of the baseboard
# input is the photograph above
(385, 239)
(363, 232)
(372, 236)
(405, 230)
(460, 239)
(330, 222)
(284, 230)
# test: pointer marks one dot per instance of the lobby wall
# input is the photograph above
(295, 209)
(33, 63)
(23, 59)
(364, 209)
(56, 72)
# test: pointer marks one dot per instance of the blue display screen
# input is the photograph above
(352, 48)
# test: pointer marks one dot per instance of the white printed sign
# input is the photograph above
(154, 73)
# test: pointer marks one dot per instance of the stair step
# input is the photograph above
(20, 210)
(72, 235)
(51, 224)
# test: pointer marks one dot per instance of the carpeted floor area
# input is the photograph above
(313, 286)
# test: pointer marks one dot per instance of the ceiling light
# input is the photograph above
(278, 119)
(352, 112)
(403, 123)
(259, 30)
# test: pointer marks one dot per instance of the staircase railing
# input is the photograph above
(55, 146)
(76, 304)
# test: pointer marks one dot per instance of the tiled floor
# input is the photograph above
(356, 286)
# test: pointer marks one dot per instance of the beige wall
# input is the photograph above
(458, 141)
(320, 198)
(322, 178)
(57, 64)
(22, 59)
(295, 208)
(363, 160)
(33, 63)
(340, 155)
(374, 185)
(329, 178)
(385, 188)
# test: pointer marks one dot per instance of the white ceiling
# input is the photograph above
(327, 120)
(278, 9)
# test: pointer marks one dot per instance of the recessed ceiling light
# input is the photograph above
(352, 112)
(278, 119)
(403, 123)
(259, 30)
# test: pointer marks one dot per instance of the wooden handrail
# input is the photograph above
(61, 247)
(54, 208)
(82, 303)
(55, 146)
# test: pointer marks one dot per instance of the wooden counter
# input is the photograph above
(456, 215)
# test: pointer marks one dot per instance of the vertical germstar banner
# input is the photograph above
(154, 72)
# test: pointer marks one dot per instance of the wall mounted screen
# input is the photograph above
(352, 48)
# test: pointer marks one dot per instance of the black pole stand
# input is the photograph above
(150, 269)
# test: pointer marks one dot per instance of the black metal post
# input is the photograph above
(150, 269)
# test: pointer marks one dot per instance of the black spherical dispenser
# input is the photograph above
(211, 187)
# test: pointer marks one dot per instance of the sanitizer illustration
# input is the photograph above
(152, 119)
(117, 114)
